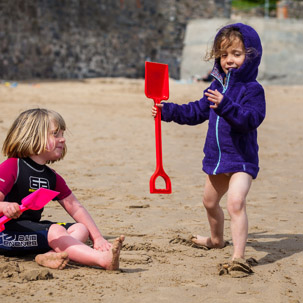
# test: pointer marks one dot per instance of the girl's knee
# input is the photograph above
(235, 206)
(79, 227)
(207, 204)
(210, 204)
(57, 228)
(79, 231)
(56, 231)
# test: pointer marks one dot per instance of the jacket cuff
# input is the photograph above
(223, 106)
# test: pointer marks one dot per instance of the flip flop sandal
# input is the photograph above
(241, 263)
(196, 245)
(238, 268)
(223, 268)
(252, 261)
(181, 240)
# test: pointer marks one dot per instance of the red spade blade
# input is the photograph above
(156, 81)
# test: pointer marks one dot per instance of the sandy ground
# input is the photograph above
(111, 156)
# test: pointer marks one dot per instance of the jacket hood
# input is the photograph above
(252, 43)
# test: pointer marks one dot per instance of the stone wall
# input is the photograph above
(295, 9)
(74, 39)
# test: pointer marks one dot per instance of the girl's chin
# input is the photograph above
(56, 156)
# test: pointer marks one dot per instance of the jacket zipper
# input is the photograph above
(217, 125)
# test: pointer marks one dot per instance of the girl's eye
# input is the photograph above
(55, 133)
(59, 134)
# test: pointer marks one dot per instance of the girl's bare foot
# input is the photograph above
(53, 260)
(206, 242)
(116, 249)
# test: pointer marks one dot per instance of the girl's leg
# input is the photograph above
(236, 205)
(215, 187)
(59, 260)
(61, 241)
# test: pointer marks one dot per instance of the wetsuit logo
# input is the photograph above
(36, 183)
(7, 241)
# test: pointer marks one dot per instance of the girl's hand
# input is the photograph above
(102, 245)
(214, 96)
(11, 210)
(155, 109)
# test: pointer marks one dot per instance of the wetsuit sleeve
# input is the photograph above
(8, 174)
(62, 188)
(246, 115)
(192, 113)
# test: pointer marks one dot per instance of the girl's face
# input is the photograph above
(233, 56)
(55, 144)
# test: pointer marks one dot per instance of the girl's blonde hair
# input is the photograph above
(29, 133)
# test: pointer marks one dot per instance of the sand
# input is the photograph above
(111, 156)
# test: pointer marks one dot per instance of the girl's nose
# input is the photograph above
(229, 59)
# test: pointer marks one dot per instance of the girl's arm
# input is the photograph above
(192, 113)
(247, 114)
(1, 203)
(77, 211)
(8, 175)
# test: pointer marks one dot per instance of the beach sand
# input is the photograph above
(110, 158)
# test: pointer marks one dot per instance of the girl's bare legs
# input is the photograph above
(61, 241)
(239, 186)
(76, 236)
(215, 187)
(59, 260)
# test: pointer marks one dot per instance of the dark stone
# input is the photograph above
(43, 39)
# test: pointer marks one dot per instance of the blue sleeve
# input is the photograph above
(246, 114)
(192, 113)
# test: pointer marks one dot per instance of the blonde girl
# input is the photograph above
(35, 139)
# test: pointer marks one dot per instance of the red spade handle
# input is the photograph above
(159, 172)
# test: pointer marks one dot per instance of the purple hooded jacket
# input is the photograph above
(231, 141)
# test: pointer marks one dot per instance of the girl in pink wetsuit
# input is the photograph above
(34, 140)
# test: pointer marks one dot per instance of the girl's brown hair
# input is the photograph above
(227, 36)
(29, 133)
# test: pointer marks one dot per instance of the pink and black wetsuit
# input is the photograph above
(19, 178)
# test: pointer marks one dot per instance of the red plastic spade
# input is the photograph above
(156, 88)
(34, 201)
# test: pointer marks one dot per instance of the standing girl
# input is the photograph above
(234, 104)
(34, 140)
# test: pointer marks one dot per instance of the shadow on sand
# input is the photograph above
(277, 246)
